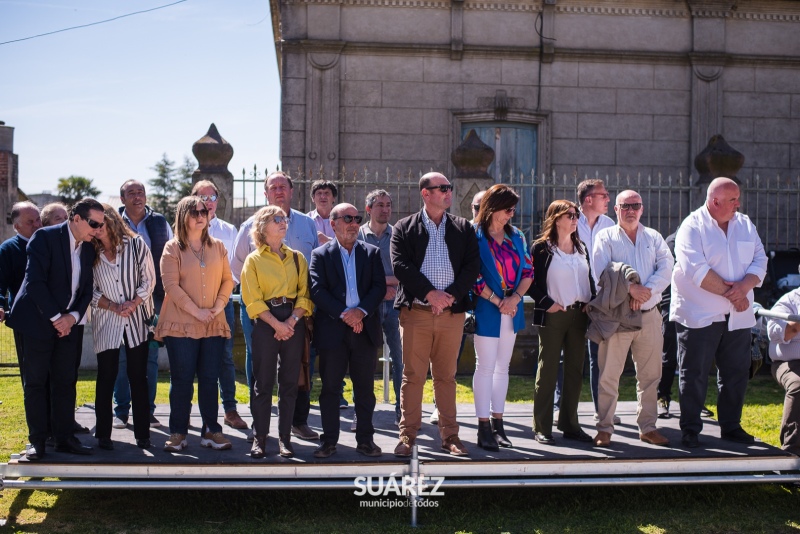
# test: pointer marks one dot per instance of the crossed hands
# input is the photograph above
(206, 315)
(439, 300)
(284, 330)
(353, 318)
(508, 306)
(64, 324)
(737, 295)
(125, 309)
(639, 295)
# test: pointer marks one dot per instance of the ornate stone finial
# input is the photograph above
(717, 159)
(472, 157)
(213, 154)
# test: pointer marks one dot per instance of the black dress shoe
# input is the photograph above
(580, 435)
(285, 446)
(738, 436)
(143, 443)
(325, 449)
(35, 451)
(50, 441)
(105, 444)
(545, 439)
(690, 440)
(73, 446)
(369, 449)
(78, 429)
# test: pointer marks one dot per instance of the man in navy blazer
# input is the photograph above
(49, 312)
(347, 286)
(13, 258)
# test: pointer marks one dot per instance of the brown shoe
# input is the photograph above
(602, 439)
(258, 450)
(233, 420)
(654, 437)
(304, 432)
(285, 446)
(403, 449)
(454, 446)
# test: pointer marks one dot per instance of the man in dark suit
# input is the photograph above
(13, 258)
(347, 286)
(49, 311)
(435, 257)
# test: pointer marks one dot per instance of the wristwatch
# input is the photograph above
(295, 317)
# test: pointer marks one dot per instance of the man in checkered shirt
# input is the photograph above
(436, 260)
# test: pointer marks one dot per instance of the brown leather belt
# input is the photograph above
(576, 306)
(278, 301)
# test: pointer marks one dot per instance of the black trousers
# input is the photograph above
(269, 356)
(360, 355)
(47, 355)
(107, 369)
(669, 356)
(698, 348)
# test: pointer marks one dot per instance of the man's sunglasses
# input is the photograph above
(571, 215)
(198, 213)
(209, 198)
(444, 188)
(93, 224)
(635, 206)
(350, 218)
(476, 207)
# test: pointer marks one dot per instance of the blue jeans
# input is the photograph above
(122, 388)
(189, 357)
(227, 375)
(247, 330)
(390, 321)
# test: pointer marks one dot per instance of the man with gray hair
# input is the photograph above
(378, 232)
(719, 260)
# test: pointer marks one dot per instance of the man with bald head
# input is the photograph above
(436, 260)
(347, 286)
(642, 248)
(719, 260)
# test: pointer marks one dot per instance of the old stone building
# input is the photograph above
(9, 179)
(629, 86)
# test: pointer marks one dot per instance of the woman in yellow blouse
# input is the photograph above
(197, 282)
(275, 292)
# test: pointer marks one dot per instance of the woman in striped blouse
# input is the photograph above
(124, 278)
(506, 274)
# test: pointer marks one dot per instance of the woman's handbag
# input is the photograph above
(304, 381)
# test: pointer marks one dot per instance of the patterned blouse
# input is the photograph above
(506, 260)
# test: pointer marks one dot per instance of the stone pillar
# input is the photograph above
(213, 154)
(471, 159)
(457, 29)
(9, 179)
(322, 113)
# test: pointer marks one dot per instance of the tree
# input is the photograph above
(164, 188)
(185, 177)
(74, 188)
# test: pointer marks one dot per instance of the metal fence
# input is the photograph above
(772, 203)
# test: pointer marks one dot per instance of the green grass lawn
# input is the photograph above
(648, 509)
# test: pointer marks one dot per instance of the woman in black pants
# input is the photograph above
(124, 278)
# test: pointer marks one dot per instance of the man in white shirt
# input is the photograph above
(593, 199)
(225, 232)
(719, 260)
(643, 249)
(323, 195)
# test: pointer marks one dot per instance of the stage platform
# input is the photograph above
(628, 461)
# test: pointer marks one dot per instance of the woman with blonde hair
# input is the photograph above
(276, 294)
(506, 273)
(122, 306)
(562, 287)
(197, 285)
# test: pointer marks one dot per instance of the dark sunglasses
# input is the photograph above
(476, 207)
(209, 198)
(511, 210)
(198, 213)
(444, 188)
(635, 206)
(350, 218)
(93, 224)
(571, 215)
(277, 219)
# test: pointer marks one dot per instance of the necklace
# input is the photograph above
(201, 255)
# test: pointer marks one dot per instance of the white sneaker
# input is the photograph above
(215, 440)
(434, 418)
(176, 443)
(354, 424)
(119, 423)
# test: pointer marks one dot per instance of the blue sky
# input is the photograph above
(107, 101)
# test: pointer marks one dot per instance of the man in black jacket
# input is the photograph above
(435, 257)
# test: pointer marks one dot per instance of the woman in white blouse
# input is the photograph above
(122, 307)
(562, 286)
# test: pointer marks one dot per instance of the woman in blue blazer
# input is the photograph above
(506, 273)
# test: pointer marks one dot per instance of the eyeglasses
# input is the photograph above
(603, 195)
(93, 224)
(209, 198)
(278, 219)
(349, 218)
(444, 188)
(511, 210)
(635, 206)
(476, 207)
(198, 213)
(571, 215)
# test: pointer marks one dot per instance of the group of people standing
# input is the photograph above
(411, 283)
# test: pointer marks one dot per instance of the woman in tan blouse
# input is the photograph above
(197, 282)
